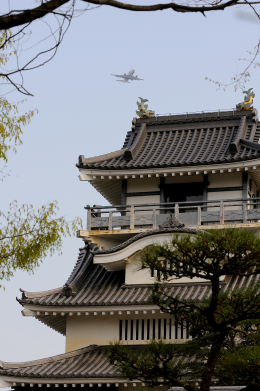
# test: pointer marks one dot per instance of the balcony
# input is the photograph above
(141, 217)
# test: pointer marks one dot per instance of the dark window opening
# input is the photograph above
(142, 329)
(164, 327)
(148, 328)
(184, 192)
(132, 330)
(159, 328)
(137, 330)
(120, 330)
(153, 328)
(176, 329)
(126, 327)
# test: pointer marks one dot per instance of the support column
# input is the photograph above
(123, 194)
(205, 187)
(162, 193)
(244, 184)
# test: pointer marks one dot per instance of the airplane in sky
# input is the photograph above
(127, 77)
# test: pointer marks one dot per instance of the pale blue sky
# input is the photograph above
(83, 110)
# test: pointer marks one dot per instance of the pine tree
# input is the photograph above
(224, 326)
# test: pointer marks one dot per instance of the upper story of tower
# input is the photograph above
(200, 167)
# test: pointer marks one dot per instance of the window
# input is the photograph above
(145, 329)
(184, 192)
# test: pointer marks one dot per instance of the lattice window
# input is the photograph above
(145, 329)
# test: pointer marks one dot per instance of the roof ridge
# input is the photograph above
(132, 151)
(71, 286)
(31, 295)
(250, 144)
(100, 158)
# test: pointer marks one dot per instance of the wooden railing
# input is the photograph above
(193, 213)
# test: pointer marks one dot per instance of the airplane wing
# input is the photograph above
(124, 76)
(138, 78)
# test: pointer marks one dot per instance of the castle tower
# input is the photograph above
(176, 173)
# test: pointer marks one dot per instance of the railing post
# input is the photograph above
(88, 218)
(222, 217)
(154, 218)
(244, 212)
(199, 216)
(110, 217)
(176, 211)
(132, 217)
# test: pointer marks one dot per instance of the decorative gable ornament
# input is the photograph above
(143, 109)
(248, 100)
(171, 222)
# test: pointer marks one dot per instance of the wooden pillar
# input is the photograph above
(162, 193)
(205, 187)
(205, 191)
(123, 195)
(244, 184)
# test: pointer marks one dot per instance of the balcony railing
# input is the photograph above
(195, 213)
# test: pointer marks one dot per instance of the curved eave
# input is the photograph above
(33, 295)
(116, 260)
(92, 174)
(65, 368)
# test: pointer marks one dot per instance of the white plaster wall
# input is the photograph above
(225, 180)
(152, 199)
(184, 179)
(142, 184)
(106, 242)
(85, 330)
(135, 276)
(224, 195)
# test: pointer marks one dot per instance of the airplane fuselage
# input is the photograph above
(128, 76)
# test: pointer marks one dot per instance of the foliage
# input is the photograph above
(26, 235)
(223, 325)
(10, 121)
(29, 236)
(11, 126)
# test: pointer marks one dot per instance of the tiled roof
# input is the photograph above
(89, 362)
(177, 141)
(92, 285)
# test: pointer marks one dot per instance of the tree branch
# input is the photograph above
(17, 18)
